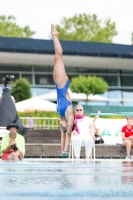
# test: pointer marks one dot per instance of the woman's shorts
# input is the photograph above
(5, 156)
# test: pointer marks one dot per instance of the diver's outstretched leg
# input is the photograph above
(59, 73)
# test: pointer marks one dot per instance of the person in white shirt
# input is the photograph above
(83, 131)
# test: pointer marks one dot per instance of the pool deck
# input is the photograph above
(74, 160)
(53, 150)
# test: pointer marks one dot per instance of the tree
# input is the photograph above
(85, 27)
(9, 28)
(21, 90)
(88, 85)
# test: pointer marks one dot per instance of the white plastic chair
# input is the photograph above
(71, 149)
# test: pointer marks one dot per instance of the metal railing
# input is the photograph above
(42, 122)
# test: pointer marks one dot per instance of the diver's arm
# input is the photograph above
(70, 124)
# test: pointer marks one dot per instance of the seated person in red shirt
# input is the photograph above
(127, 136)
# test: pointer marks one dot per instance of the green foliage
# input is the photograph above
(39, 114)
(85, 27)
(21, 90)
(9, 28)
(88, 85)
(110, 117)
(56, 115)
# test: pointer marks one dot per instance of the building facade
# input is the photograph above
(33, 60)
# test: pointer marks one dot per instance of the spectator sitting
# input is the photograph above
(83, 131)
(99, 139)
(13, 144)
(127, 136)
(30, 122)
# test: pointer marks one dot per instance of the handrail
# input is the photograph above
(43, 122)
(40, 118)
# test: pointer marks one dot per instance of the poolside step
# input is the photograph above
(42, 136)
(53, 150)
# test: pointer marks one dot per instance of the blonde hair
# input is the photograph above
(129, 117)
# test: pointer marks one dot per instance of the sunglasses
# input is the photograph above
(79, 110)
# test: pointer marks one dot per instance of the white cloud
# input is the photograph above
(39, 14)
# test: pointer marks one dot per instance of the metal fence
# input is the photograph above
(42, 122)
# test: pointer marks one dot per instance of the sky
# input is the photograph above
(39, 14)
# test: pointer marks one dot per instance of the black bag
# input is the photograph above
(99, 140)
(8, 113)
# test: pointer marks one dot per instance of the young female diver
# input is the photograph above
(64, 104)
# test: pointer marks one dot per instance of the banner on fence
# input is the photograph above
(110, 129)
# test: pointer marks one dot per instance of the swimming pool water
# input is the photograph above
(57, 180)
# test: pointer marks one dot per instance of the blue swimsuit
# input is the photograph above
(62, 102)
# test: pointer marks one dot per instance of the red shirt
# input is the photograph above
(128, 132)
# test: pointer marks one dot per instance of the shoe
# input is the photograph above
(128, 158)
(64, 154)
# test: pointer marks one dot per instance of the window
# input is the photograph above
(51, 80)
(28, 77)
(9, 68)
(127, 81)
(41, 69)
(126, 72)
(115, 97)
(112, 71)
(127, 97)
(128, 94)
(16, 68)
(25, 68)
(115, 94)
(111, 80)
(71, 69)
(88, 70)
(36, 91)
(42, 80)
